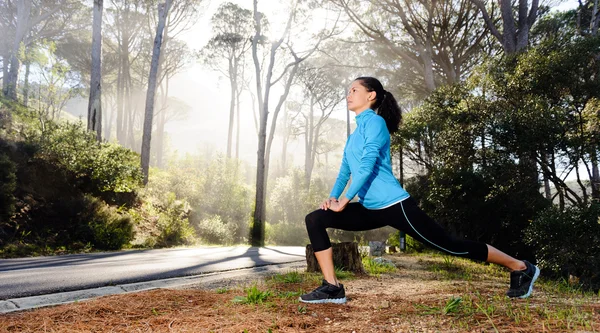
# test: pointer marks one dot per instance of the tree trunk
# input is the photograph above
(22, 24)
(547, 190)
(120, 110)
(285, 141)
(94, 120)
(26, 84)
(308, 143)
(595, 21)
(514, 37)
(231, 107)
(595, 176)
(345, 256)
(237, 129)
(147, 132)
(109, 124)
(5, 71)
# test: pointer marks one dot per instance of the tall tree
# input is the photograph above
(514, 36)
(437, 42)
(163, 10)
(232, 28)
(323, 94)
(263, 89)
(31, 21)
(94, 119)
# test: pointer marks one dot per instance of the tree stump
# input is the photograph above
(345, 256)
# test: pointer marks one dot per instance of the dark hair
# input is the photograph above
(385, 104)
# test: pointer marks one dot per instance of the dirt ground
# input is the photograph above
(422, 295)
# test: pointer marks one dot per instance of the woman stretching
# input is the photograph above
(382, 201)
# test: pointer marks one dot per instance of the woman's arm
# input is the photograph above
(376, 135)
(342, 179)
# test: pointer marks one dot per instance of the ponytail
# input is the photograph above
(385, 104)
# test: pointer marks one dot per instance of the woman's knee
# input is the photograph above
(314, 219)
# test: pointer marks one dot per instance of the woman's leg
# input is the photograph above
(355, 217)
(409, 217)
(325, 259)
(498, 257)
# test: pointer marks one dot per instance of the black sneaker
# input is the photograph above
(326, 293)
(521, 282)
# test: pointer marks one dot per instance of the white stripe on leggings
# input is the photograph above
(432, 243)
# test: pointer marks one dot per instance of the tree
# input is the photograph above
(263, 89)
(163, 10)
(323, 92)
(31, 21)
(94, 120)
(232, 28)
(176, 58)
(515, 35)
(438, 41)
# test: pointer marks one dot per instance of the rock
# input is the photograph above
(376, 248)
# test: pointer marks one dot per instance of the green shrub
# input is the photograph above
(100, 167)
(8, 183)
(213, 230)
(112, 231)
(568, 243)
(284, 233)
(173, 225)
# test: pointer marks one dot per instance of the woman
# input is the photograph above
(383, 201)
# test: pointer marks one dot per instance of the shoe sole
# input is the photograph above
(535, 276)
(322, 301)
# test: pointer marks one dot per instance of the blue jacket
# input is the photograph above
(367, 159)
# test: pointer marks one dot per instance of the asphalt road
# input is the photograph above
(45, 275)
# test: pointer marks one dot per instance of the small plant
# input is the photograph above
(253, 296)
(302, 309)
(343, 274)
(222, 290)
(448, 261)
(289, 294)
(374, 267)
(452, 305)
(289, 277)
(426, 309)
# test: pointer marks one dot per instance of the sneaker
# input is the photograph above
(326, 293)
(521, 282)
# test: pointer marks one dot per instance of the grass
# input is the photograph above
(373, 267)
(427, 304)
(253, 296)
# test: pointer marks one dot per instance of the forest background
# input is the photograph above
(142, 123)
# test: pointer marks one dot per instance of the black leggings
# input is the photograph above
(405, 215)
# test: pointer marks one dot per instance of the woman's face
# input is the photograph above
(358, 98)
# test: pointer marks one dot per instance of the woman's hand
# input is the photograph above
(327, 203)
(338, 206)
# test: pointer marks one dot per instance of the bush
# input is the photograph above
(568, 243)
(213, 230)
(99, 167)
(69, 224)
(8, 183)
(173, 225)
(284, 233)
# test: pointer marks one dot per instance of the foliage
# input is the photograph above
(215, 192)
(173, 225)
(70, 223)
(213, 230)
(568, 243)
(8, 183)
(106, 167)
(253, 296)
(289, 202)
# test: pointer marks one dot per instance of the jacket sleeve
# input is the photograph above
(342, 178)
(376, 135)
